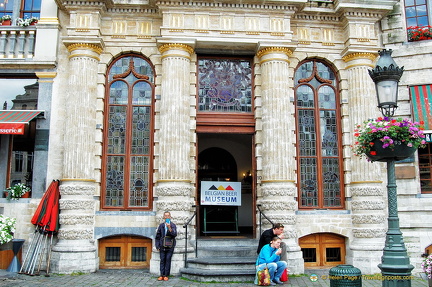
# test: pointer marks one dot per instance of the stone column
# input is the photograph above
(277, 187)
(175, 149)
(368, 203)
(75, 250)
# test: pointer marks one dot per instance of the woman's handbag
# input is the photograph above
(284, 276)
(168, 242)
(262, 277)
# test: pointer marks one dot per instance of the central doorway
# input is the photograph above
(226, 157)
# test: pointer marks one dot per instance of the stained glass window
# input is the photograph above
(225, 85)
(128, 130)
(319, 152)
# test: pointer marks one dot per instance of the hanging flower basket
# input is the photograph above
(385, 139)
(399, 152)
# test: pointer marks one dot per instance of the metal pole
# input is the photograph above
(395, 265)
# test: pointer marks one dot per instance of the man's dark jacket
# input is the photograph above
(265, 238)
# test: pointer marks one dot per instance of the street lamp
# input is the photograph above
(395, 265)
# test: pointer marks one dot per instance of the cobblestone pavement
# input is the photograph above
(138, 278)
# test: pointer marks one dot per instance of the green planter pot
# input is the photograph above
(401, 151)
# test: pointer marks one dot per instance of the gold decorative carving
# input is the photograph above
(131, 69)
(252, 33)
(176, 46)
(82, 30)
(360, 55)
(304, 42)
(328, 44)
(270, 50)
(277, 34)
(363, 40)
(85, 46)
(201, 31)
(176, 30)
(227, 32)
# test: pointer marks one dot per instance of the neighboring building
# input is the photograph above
(145, 100)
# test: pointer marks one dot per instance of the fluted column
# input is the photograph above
(75, 246)
(175, 147)
(366, 188)
(277, 189)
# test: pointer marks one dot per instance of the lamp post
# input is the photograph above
(395, 265)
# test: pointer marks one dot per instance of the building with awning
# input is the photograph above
(13, 121)
(141, 104)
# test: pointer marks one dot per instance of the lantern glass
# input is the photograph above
(387, 93)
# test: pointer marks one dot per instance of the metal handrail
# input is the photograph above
(186, 236)
(260, 218)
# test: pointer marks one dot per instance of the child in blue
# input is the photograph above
(270, 256)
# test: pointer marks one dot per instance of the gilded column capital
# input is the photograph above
(274, 50)
(84, 50)
(358, 59)
(167, 50)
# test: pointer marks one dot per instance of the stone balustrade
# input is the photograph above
(17, 42)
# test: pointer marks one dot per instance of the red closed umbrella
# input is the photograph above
(47, 213)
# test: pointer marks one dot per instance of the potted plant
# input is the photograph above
(7, 228)
(33, 20)
(427, 268)
(384, 138)
(6, 20)
(17, 191)
(26, 21)
(419, 33)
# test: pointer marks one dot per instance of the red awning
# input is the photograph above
(12, 121)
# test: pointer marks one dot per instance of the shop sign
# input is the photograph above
(220, 193)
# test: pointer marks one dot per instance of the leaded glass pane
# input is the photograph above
(114, 181)
(325, 72)
(225, 85)
(122, 67)
(305, 97)
(326, 98)
(329, 139)
(331, 182)
(116, 130)
(308, 188)
(307, 133)
(304, 71)
(141, 118)
(139, 178)
(142, 94)
(118, 93)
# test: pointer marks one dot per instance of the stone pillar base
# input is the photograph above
(70, 256)
(366, 260)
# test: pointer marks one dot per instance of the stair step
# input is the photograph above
(232, 275)
(223, 260)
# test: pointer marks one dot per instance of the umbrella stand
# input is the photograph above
(32, 242)
(49, 256)
(43, 254)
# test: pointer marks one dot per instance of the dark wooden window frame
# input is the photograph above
(319, 155)
(128, 155)
(425, 167)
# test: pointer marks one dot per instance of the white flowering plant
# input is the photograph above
(26, 21)
(16, 191)
(427, 266)
(5, 17)
(7, 228)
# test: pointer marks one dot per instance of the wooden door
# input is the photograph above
(323, 249)
(117, 252)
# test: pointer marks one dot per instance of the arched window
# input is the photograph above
(319, 152)
(128, 134)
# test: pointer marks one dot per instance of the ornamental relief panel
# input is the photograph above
(75, 234)
(368, 205)
(173, 206)
(279, 190)
(274, 205)
(67, 204)
(77, 190)
(369, 233)
(174, 190)
(75, 219)
(367, 191)
(368, 219)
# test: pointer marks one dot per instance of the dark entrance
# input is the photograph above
(226, 158)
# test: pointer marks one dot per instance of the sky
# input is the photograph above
(10, 88)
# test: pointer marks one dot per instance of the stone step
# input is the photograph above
(233, 275)
(233, 251)
(222, 263)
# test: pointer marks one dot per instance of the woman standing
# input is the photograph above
(165, 243)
